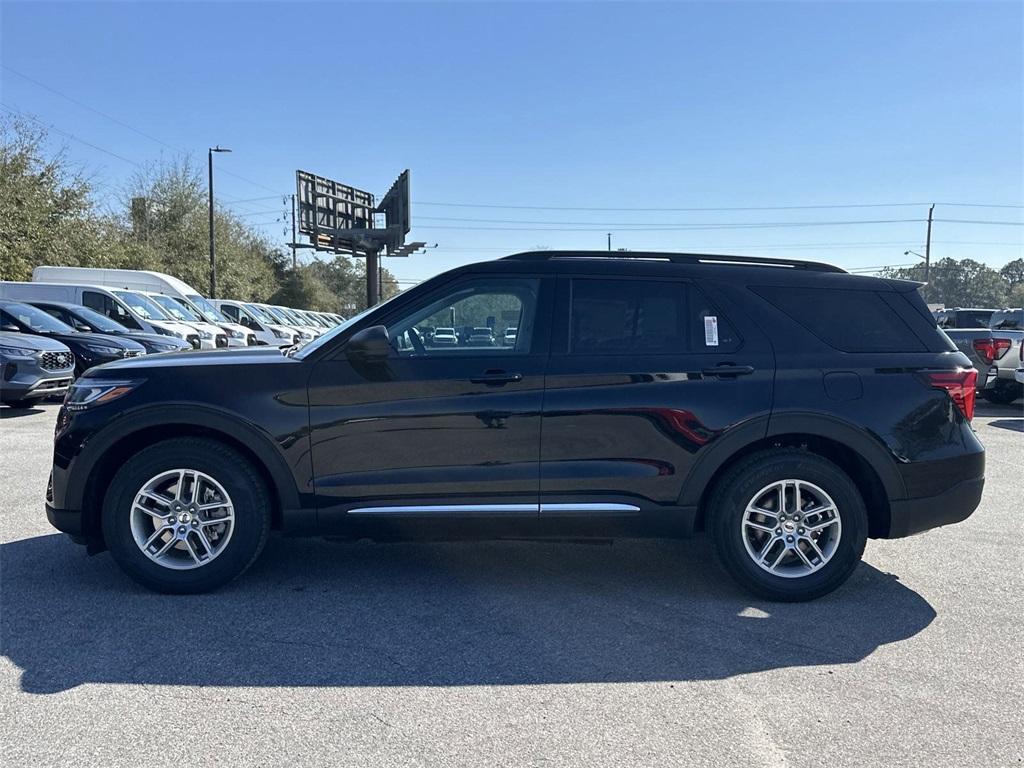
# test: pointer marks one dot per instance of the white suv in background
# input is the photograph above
(267, 331)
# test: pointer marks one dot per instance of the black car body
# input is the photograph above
(90, 349)
(643, 396)
(88, 320)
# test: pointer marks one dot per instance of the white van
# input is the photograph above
(210, 335)
(266, 329)
(131, 311)
(150, 282)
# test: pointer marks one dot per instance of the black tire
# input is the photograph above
(229, 468)
(739, 486)
(1003, 393)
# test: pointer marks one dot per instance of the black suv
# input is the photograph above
(787, 408)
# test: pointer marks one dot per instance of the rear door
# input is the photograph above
(644, 375)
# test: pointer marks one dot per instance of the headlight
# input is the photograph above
(235, 334)
(16, 352)
(165, 347)
(164, 331)
(96, 349)
(279, 334)
(88, 393)
(205, 334)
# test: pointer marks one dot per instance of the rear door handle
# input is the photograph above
(497, 378)
(727, 370)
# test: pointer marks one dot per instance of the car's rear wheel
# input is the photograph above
(788, 525)
(1003, 393)
(186, 515)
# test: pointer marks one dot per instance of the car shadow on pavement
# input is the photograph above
(320, 613)
(14, 413)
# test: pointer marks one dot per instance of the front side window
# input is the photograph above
(644, 317)
(107, 306)
(472, 317)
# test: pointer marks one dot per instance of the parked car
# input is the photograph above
(102, 300)
(787, 408)
(510, 336)
(86, 320)
(89, 348)
(1008, 325)
(981, 348)
(959, 317)
(211, 336)
(33, 368)
(481, 337)
(149, 282)
(445, 337)
(283, 316)
(266, 330)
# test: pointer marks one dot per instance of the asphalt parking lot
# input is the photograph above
(640, 653)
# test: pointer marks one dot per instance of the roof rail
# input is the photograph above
(676, 258)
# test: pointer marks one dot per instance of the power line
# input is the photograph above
(123, 124)
(734, 208)
(55, 129)
(681, 228)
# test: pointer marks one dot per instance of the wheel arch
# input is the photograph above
(109, 450)
(863, 457)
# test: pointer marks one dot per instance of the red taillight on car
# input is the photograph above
(986, 349)
(959, 385)
(1000, 348)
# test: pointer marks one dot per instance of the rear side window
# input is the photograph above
(850, 321)
(645, 317)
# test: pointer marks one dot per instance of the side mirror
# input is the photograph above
(370, 345)
(83, 327)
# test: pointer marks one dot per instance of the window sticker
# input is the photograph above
(711, 331)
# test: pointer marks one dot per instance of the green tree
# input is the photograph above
(963, 283)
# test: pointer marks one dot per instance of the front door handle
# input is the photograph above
(728, 371)
(497, 378)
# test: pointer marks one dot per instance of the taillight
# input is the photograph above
(959, 385)
(986, 349)
(1000, 348)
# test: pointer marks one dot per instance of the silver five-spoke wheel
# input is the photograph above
(182, 519)
(791, 528)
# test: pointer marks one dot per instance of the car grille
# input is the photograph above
(193, 339)
(221, 340)
(133, 353)
(56, 361)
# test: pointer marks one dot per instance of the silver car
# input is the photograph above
(32, 368)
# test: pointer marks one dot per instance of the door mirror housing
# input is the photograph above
(370, 345)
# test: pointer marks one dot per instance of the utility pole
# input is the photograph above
(213, 257)
(928, 245)
(294, 260)
(609, 241)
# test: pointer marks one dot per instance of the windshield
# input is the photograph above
(36, 319)
(261, 314)
(142, 306)
(96, 321)
(326, 336)
(274, 316)
(289, 317)
(173, 308)
(210, 312)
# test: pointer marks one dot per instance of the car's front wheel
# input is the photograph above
(788, 525)
(186, 515)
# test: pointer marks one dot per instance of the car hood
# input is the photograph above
(31, 343)
(102, 339)
(193, 358)
(152, 338)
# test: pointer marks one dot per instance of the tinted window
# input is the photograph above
(480, 311)
(850, 321)
(1008, 319)
(644, 317)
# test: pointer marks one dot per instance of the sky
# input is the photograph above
(551, 125)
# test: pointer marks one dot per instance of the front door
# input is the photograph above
(644, 374)
(449, 426)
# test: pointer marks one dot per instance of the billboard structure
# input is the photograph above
(339, 218)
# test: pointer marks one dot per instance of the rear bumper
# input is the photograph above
(910, 516)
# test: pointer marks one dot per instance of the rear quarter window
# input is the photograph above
(847, 320)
